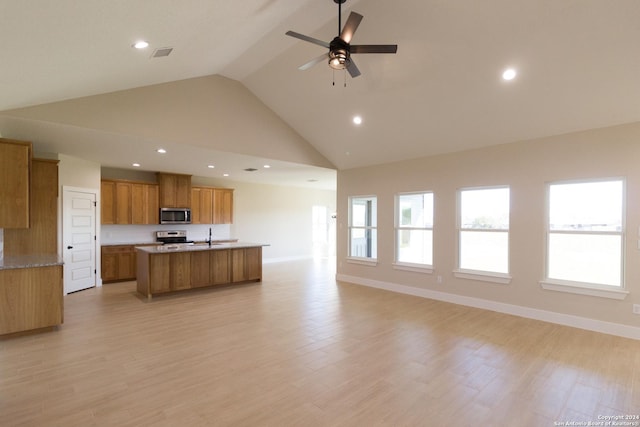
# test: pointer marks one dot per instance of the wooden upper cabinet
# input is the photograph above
(152, 204)
(127, 202)
(211, 205)
(107, 202)
(144, 204)
(15, 169)
(222, 206)
(42, 235)
(123, 203)
(201, 205)
(175, 190)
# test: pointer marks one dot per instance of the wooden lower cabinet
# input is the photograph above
(200, 269)
(30, 298)
(220, 270)
(247, 264)
(159, 273)
(118, 263)
(180, 271)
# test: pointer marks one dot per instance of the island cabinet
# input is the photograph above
(247, 264)
(160, 271)
(128, 202)
(15, 169)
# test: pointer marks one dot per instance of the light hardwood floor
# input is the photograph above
(302, 350)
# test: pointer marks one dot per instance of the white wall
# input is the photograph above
(526, 167)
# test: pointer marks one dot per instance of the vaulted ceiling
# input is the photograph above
(577, 66)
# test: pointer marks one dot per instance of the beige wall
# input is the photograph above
(277, 215)
(526, 167)
(211, 112)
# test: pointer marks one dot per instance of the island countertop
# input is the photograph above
(180, 247)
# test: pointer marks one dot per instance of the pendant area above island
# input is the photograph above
(162, 270)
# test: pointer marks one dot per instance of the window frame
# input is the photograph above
(404, 265)
(369, 260)
(473, 274)
(580, 287)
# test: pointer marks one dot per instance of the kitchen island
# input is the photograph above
(170, 268)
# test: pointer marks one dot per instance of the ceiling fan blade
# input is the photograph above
(307, 39)
(350, 26)
(352, 69)
(313, 62)
(374, 48)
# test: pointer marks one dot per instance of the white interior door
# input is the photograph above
(79, 240)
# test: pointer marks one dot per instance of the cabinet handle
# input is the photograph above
(69, 247)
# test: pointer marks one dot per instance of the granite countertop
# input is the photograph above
(159, 243)
(30, 261)
(197, 247)
(130, 243)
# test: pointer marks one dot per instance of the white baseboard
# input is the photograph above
(516, 310)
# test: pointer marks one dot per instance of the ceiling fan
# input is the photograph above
(340, 49)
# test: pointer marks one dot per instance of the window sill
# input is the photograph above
(371, 262)
(416, 268)
(584, 289)
(500, 278)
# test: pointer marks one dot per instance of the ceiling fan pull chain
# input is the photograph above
(334, 77)
(344, 73)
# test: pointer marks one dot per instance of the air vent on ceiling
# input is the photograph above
(250, 169)
(162, 51)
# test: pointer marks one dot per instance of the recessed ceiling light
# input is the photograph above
(266, 166)
(509, 74)
(357, 120)
(161, 150)
(141, 44)
(136, 165)
(225, 174)
(211, 166)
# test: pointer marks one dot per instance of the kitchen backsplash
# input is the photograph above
(116, 234)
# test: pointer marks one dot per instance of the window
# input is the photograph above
(363, 218)
(483, 234)
(585, 234)
(414, 229)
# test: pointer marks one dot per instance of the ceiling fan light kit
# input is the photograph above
(340, 49)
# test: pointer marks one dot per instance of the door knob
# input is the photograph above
(69, 247)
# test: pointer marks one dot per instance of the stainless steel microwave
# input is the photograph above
(175, 216)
